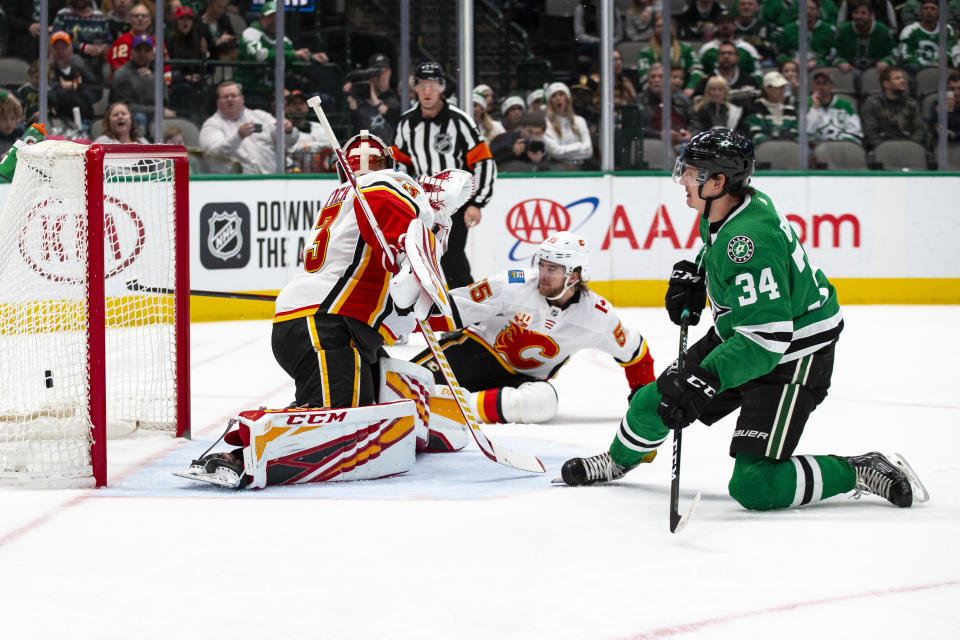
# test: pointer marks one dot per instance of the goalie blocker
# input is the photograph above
(299, 445)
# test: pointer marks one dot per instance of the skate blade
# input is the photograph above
(558, 480)
(230, 481)
(912, 477)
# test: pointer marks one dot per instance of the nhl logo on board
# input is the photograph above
(740, 249)
(442, 142)
(225, 238)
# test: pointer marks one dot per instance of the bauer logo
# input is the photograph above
(224, 235)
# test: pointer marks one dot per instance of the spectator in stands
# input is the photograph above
(743, 87)
(312, 138)
(536, 100)
(678, 80)
(892, 114)
(638, 21)
(830, 117)
(237, 135)
(489, 99)
(512, 110)
(770, 117)
(586, 30)
(698, 21)
(12, 125)
(682, 56)
(376, 109)
(89, 33)
(567, 137)
(258, 44)
(623, 89)
(863, 43)
(649, 100)
(777, 14)
(821, 41)
(953, 111)
(909, 12)
(119, 127)
(141, 23)
(117, 13)
(509, 145)
(883, 11)
(749, 28)
(488, 127)
(713, 109)
(23, 28)
(531, 152)
(747, 58)
(72, 82)
(133, 82)
(218, 30)
(920, 41)
(185, 42)
(29, 93)
(790, 70)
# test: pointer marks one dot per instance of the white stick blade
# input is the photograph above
(683, 520)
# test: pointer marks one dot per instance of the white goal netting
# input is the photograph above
(62, 355)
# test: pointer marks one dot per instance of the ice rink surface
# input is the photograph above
(464, 548)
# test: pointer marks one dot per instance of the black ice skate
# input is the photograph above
(894, 480)
(222, 469)
(599, 468)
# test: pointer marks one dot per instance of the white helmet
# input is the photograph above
(568, 249)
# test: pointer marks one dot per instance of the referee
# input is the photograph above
(433, 136)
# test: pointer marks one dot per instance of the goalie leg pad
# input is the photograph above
(403, 380)
(448, 428)
(294, 446)
(530, 403)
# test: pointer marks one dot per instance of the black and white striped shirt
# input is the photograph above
(451, 140)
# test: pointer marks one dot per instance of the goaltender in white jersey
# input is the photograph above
(357, 413)
(519, 327)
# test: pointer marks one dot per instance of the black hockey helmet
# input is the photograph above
(429, 70)
(718, 151)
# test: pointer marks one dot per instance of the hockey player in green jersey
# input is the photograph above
(769, 354)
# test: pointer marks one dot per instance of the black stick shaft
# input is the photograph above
(134, 285)
(677, 433)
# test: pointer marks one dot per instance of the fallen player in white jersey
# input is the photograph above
(519, 327)
(357, 414)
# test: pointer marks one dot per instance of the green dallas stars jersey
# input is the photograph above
(769, 304)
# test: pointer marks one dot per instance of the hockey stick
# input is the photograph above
(133, 284)
(391, 260)
(677, 522)
(504, 456)
(497, 454)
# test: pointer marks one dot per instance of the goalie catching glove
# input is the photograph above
(447, 192)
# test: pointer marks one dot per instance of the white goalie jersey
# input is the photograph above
(530, 336)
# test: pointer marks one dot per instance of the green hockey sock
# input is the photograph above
(762, 483)
(641, 431)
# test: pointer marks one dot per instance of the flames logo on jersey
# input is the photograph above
(514, 341)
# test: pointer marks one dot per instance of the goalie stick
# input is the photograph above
(678, 522)
(498, 454)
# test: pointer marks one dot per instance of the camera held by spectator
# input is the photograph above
(360, 85)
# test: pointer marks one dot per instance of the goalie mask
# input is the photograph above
(567, 249)
(366, 153)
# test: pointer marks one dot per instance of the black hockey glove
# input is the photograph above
(684, 395)
(688, 288)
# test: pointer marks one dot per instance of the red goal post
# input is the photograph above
(86, 356)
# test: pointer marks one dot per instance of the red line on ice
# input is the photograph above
(689, 627)
(92, 493)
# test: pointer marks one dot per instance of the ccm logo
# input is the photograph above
(750, 433)
(316, 418)
(680, 274)
(697, 383)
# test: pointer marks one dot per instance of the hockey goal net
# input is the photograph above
(82, 353)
